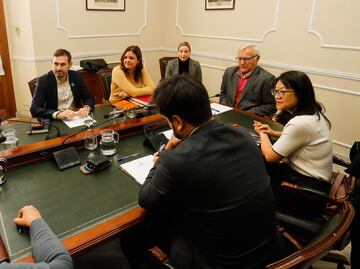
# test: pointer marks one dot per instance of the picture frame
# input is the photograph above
(105, 5)
(219, 4)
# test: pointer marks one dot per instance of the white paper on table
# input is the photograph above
(139, 168)
(76, 121)
(168, 133)
(217, 108)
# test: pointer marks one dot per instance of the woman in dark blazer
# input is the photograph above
(184, 64)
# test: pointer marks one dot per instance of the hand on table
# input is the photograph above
(84, 112)
(123, 95)
(65, 115)
(27, 215)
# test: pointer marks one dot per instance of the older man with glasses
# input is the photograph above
(248, 86)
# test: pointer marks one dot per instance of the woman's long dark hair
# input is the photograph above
(136, 50)
(304, 91)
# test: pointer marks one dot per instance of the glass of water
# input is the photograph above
(131, 114)
(119, 113)
(91, 143)
(89, 121)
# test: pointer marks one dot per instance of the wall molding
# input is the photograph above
(69, 36)
(313, 70)
(342, 144)
(311, 30)
(333, 89)
(272, 29)
(269, 64)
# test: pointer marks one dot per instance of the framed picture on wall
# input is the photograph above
(219, 4)
(115, 5)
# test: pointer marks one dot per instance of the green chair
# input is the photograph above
(330, 235)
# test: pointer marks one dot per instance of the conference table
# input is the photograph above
(83, 210)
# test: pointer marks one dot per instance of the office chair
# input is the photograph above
(304, 225)
(331, 233)
(163, 62)
(328, 235)
(32, 85)
(105, 75)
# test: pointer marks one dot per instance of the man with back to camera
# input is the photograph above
(61, 91)
(248, 86)
(208, 189)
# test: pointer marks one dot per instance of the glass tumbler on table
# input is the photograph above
(91, 143)
(88, 121)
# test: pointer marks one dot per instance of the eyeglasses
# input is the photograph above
(245, 59)
(279, 92)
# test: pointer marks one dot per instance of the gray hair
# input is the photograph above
(255, 48)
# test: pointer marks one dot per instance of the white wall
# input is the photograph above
(320, 37)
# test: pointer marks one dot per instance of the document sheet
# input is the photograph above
(139, 168)
(77, 121)
(218, 108)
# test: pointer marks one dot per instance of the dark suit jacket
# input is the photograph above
(215, 188)
(172, 68)
(45, 100)
(256, 96)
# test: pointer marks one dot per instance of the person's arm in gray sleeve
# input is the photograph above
(48, 250)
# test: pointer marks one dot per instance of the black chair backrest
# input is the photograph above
(105, 75)
(163, 62)
(106, 78)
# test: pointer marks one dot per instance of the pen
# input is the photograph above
(127, 156)
(216, 110)
(161, 148)
(19, 228)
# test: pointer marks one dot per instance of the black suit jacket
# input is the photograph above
(255, 97)
(215, 189)
(45, 100)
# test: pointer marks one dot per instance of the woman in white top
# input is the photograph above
(304, 146)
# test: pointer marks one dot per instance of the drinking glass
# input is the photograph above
(119, 113)
(91, 143)
(88, 121)
(131, 114)
(11, 139)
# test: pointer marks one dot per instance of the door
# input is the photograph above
(7, 97)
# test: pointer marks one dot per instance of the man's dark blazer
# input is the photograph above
(45, 100)
(215, 189)
(255, 97)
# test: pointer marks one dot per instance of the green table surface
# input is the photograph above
(69, 201)
(246, 119)
(72, 202)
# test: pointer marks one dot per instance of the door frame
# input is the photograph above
(7, 94)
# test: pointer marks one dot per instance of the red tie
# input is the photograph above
(241, 85)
